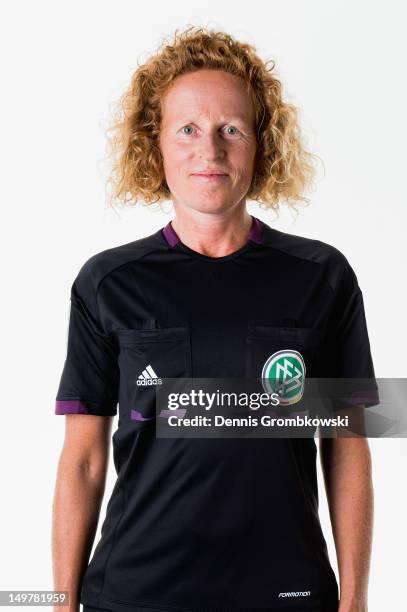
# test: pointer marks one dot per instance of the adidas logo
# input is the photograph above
(148, 378)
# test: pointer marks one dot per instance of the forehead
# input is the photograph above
(207, 92)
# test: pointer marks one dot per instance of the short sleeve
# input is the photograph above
(89, 379)
(346, 350)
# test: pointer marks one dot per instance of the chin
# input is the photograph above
(211, 205)
(209, 201)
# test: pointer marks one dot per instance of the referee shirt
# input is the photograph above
(208, 524)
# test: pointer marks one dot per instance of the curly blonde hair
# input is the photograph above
(283, 168)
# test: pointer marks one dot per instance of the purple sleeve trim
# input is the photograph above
(70, 407)
(137, 416)
(179, 412)
(368, 397)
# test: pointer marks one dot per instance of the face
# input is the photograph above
(208, 127)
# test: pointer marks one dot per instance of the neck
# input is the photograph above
(213, 234)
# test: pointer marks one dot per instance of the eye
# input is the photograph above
(186, 126)
(228, 127)
(232, 127)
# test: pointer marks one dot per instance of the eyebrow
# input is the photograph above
(236, 118)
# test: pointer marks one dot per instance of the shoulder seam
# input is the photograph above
(317, 263)
(120, 266)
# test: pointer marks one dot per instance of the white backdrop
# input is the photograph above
(63, 63)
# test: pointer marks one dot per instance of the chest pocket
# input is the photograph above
(147, 356)
(283, 354)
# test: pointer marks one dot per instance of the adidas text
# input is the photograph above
(148, 378)
(147, 382)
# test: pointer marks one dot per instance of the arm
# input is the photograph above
(346, 465)
(79, 488)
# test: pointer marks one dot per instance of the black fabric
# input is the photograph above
(208, 524)
(249, 609)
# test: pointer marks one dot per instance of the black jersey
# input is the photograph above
(208, 524)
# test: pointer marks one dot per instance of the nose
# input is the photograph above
(211, 146)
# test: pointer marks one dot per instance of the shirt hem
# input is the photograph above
(116, 606)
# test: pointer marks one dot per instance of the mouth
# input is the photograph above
(208, 176)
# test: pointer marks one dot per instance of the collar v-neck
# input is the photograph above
(255, 235)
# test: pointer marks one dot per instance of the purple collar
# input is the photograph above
(255, 235)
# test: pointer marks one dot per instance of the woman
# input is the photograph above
(208, 524)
